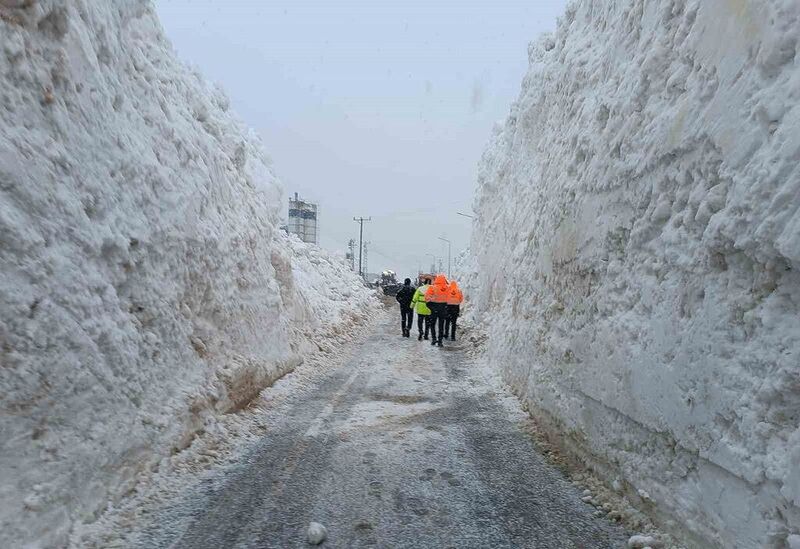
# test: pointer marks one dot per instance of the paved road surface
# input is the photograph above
(406, 446)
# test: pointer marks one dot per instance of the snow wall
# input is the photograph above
(145, 286)
(637, 256)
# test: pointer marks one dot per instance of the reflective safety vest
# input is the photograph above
(418, 301)
(437, 293)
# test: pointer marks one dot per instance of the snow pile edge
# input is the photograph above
(146, 288)
(636, 256)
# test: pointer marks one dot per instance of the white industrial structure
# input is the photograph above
(303, 220)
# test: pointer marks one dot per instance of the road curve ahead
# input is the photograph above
(405, 446)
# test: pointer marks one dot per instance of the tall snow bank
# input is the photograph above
(145, 288)
(638, 255)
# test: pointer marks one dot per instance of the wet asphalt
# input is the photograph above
(404, 446)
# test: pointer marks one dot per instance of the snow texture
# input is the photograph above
(637, 256)
(146, 289)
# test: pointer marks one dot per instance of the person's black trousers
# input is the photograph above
(453, 312)
(406, 319)
(426, 321)
(438, 313)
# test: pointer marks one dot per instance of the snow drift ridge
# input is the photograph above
(637, 248)
(145, 287)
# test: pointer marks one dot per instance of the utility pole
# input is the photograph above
(366, 259)
(360, 221)
(449, 245)
(352, 247)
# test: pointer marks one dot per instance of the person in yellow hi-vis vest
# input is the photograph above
(423, 312)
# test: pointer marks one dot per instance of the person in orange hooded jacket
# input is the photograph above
(436, 298)
(454, 300)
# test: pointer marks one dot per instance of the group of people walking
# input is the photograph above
(437, 303)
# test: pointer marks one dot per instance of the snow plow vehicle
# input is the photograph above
(388, 283)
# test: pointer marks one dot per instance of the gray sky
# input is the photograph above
(370, 108)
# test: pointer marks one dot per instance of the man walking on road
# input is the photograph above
(436, 298)
(454, 300)
(404, 298)
(423, 312)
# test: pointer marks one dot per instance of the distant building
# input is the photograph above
(303, 220)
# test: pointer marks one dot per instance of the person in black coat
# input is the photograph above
(404, 297)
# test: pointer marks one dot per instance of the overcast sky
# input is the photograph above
(369, 108)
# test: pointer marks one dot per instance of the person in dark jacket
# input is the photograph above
(404, 297)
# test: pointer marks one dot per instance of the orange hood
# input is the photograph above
(454, 295)
(437, 292)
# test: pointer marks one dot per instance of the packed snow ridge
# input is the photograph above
(637, 256)
(145, 286)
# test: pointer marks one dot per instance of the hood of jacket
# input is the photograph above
(454, 295)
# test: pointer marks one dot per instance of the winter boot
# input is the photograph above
(420, 337)
(440, 343)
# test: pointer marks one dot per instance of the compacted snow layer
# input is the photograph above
(145, 287)
(637, 255)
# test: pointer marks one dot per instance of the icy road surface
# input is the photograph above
(405, 446)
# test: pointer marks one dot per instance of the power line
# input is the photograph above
(395, 257)
(449, 245)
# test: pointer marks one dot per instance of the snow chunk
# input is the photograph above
(316, 533)
(641, 542)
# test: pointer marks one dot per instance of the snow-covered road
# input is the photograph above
(404, 446)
